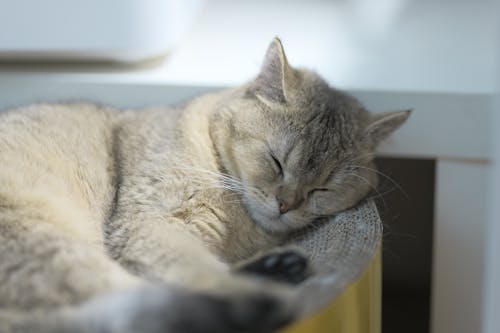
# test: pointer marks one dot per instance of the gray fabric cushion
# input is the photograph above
(340, 250)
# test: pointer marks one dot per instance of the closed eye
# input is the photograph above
(319, 189)
(277, 164)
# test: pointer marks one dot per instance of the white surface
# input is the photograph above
(491, 292)
(459, 238)
(442, 126)
(125, 30)
(430, 46)
(413, 46)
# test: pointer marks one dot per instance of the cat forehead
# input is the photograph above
(313, 151)
(322, 128)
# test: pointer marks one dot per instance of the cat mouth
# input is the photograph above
(267, 218)
(272, 224)
(276, 223)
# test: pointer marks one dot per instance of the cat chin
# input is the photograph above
(274, 224)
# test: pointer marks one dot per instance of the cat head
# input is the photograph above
(300, 148)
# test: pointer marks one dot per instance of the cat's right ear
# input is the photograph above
(275, 75)
(383, 124)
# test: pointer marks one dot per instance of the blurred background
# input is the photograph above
(440, 57)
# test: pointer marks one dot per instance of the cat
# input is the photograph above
(170, 219)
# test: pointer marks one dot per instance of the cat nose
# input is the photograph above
(284, 207)
(288, 199)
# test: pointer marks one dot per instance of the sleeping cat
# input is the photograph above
(161, 220)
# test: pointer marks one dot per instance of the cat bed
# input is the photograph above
(339, 250)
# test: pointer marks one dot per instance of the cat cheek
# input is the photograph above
(299, 218)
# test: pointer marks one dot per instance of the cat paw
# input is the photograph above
(287, 266)
(160, 310)
(239, 313)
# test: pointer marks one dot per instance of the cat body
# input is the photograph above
(126, 220)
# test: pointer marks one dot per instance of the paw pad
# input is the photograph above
(287, 266)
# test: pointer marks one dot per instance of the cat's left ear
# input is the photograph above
(381, 125)
(275, 76)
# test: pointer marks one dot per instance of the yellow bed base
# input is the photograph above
(357, 310)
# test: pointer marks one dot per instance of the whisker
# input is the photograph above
(375, 196)
(372, 187)
(233, 183)
(209, 179)
(228, 181)
(386, 177)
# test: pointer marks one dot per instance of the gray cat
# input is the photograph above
(161, 220)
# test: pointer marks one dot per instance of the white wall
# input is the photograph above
(491, 307)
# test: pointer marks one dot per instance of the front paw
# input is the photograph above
(239, 313)
(287, 266)
(159, 310)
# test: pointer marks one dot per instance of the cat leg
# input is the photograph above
(173, 250)
(151, 309)
(167, 251)
(40, 265)
(155, 309)
(51, 282)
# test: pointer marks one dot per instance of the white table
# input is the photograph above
(437, 57)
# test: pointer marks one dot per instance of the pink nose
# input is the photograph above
(284, 207)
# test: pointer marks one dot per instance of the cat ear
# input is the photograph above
(383, 124)
(275, 74)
